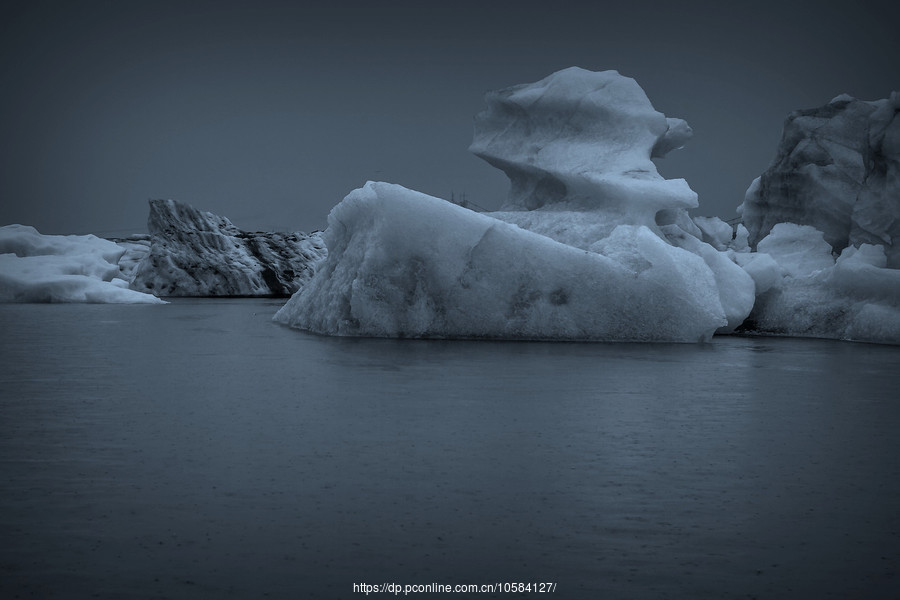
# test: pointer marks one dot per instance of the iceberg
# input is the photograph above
(404, 264)
(810, 294)
(62, 268)
(837, 169)
(592, 243)
(197, 253)
(833, 190)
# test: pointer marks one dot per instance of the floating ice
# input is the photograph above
(602, 248)
(837, 169)
(57, 268)
(196, 253)
(403, 264)
(853, 298)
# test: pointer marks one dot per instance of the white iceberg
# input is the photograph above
(403, 264)
(58, 268)
(812, 295)
(602, 247)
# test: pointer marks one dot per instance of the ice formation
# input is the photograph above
(812, 295)
(582, 141)
(62, 268)
(735, 286)
(403, 264)
(136, 247)
(593, 244)
(195, 253)
(837, 169)
(577, 148)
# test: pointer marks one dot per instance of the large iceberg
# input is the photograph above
(197, 253)
(403, 264)
(592, 244)
(837, 169)
(62, 268)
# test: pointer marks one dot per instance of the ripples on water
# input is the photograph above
(198, 450)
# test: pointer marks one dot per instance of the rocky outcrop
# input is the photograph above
(837, 169)
(196, 253)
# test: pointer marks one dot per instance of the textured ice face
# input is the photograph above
(58, 268)
(837, 169)
(808, 293)
(800, 250)
(714, 231)
(735, 286)
(583, 140)
(403, 264)
(197, 253)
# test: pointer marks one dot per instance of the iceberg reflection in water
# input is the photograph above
(200, 450)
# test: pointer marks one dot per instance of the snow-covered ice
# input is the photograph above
(62, 268)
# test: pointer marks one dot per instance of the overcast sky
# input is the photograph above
(269, 112)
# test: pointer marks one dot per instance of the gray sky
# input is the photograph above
(270, 112)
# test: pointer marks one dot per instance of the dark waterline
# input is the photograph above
(198, 450)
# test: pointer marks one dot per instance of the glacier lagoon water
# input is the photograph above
(198, 450)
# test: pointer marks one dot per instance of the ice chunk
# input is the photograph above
(735, 286)
(800, 250)
(861, 273)
(403, 264)
(716, 232)
(741, 241)
(762, 268)
(57, 268)
(198, 253)
(137, 247)
(582, 141)
(837, 169)
(854, 298)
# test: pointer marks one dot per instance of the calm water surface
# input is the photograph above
(198, 450)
